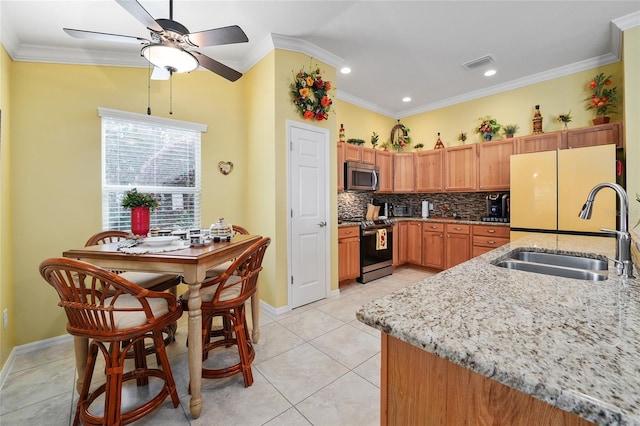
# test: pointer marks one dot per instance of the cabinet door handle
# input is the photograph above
(491, 242)
(491, 231)
(457, 228)
(433, 226)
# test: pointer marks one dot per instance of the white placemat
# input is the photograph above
(142, 248)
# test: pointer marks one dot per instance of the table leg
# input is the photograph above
(195, 349)
(81, 350)
(255, 315)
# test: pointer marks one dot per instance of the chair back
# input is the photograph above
(241, 277)
(101, 304)
(105, 237)
(237, 229)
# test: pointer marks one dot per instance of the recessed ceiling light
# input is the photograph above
(406, 99)
(489, 73)
(345, 70)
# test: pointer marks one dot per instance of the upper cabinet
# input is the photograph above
(602, 134)
(429, 167)
(403, 172)
(384, 161)
(460, 168)
(494, 164)
(359, 154)
(541, 142)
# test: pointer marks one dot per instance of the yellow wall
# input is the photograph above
(632, 121)
(6, 235)
(557, 96)
(360, 123)
(56, 163)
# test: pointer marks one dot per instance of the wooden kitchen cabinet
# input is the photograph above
(368, 155)
(460, 172)
(601, 134)
(403, 170)
(541, 142)
(403, 241)
(457, 244)
(494, 164)
(348, 253)
(433, 245)
(359, 153)
(384, 161)
(429, 165)
(341, 166)
(352, 152)
(488, 237)
(414, 242)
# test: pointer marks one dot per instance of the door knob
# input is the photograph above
(322, 224)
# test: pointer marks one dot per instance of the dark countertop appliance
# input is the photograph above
(498, 207)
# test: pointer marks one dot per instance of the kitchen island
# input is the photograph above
(497, 346)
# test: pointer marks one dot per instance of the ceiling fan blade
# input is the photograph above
(92, 35)
(140, 13)
(218, 68)
(218, 36)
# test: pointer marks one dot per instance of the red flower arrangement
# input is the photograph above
(603, 97)
(310, 94)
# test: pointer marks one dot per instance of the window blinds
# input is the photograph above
(154, 155)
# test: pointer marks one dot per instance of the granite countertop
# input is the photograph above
(571, 343)
(431, 219)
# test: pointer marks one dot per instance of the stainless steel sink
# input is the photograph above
(563, 260)
(574, 266)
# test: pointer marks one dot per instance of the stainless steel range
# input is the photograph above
(376, 249)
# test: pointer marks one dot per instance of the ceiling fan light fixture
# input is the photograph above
(171, 58)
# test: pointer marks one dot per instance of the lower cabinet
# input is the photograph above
(457, 245)
(488, 237)
(433, 245)
(414, 242)
(348, 253)
(444, 245)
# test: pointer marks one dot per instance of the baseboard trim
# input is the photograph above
(30, 347)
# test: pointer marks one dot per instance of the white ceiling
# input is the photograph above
(395, 48)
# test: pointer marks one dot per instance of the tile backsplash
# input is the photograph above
(468, 205)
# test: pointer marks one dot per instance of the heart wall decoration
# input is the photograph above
(225, 167)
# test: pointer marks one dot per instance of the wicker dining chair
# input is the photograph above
(117, 316)
(150, 280)
(225, 296)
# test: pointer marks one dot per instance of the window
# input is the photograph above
(154, 155)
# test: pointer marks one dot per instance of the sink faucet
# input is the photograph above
(624, 264)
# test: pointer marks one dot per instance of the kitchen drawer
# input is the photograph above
(484, 241)
(432, 227)
(348, 231)
(458, 228)
(491, 231)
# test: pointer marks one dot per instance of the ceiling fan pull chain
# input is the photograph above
(170, 92)
(149, 89)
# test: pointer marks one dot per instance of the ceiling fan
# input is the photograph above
(170, 41)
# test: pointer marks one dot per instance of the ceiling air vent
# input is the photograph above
(479, 62)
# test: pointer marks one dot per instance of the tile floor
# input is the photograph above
(315, 365)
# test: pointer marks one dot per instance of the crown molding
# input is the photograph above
(515, 84)
(296, 45)
(627, 22)
(343, 96)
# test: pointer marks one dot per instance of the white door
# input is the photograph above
(309, 201)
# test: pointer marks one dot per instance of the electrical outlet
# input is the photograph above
(5, 318)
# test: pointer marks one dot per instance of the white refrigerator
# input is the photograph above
(548, 190)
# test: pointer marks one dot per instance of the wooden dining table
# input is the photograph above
(190, 262)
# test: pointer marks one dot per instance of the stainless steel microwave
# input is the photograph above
(360, 176)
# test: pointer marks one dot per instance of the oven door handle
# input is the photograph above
(373, 232)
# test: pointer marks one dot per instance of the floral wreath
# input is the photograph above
(310, 95)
